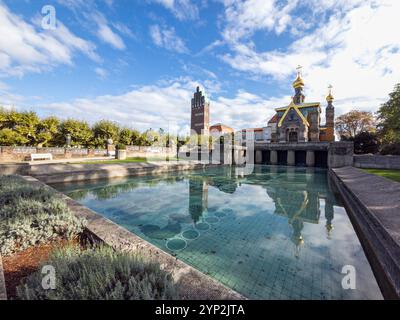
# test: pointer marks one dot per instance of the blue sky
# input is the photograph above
(138, 62)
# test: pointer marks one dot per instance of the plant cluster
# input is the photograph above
(31, 214)
(100, 274)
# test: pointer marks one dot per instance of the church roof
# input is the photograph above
(300, 106)
(296, 108)
(274, 119)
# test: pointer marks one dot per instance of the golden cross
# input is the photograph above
(299, 68)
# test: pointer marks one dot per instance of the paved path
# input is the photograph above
(373, 205)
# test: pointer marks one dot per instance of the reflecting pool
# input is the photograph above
(278, 233)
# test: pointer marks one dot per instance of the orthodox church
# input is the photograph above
(300, 121)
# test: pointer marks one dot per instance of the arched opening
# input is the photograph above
(293, 136)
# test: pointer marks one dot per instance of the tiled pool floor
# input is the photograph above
(278, 233)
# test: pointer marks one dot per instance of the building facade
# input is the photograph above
(200, 113)
(300, 121)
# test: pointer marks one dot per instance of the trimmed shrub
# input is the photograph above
(100, 274)
(31, 214)
(391, 149)
(121, 146)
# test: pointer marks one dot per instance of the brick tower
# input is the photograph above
(330, 117)
(200, 115)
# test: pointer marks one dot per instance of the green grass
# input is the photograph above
(390, 174)
(129, 160)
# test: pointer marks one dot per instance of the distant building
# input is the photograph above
(200, 115)
(220, 129)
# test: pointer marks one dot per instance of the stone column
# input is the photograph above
(258, 159)
(310, 160)
(291, 158)
(274, 157)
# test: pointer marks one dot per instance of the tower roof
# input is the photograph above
(330, 97)
(299, 82)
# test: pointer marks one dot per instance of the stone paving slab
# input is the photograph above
(193, 284)
(373, 205)
(3, 293)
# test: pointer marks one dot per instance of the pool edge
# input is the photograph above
(381, 249)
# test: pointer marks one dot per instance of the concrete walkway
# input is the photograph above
(373, 205)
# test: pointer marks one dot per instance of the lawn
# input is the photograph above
(129, 160)
(390, 174)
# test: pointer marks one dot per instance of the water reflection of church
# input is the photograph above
(297, 199)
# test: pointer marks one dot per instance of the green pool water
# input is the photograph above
(277, 233)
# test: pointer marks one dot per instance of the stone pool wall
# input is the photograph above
(371, 161)
(373, 205)
(192, 284)
(3, 293)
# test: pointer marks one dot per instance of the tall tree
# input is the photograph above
(46, 132)
(105, 130)
(354, 122)
(389, 118)
(81, 134)
(125, 136)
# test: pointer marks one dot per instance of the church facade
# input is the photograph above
(300, 121)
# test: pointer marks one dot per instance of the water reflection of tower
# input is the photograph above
(198, 197)
(329, 215)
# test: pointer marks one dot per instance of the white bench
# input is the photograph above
(41, 156)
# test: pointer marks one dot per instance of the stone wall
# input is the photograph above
(16, 154)
(377, 161)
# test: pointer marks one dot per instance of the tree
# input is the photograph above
(81, 134)
(352, 123)
(125, 136)
(389, 117)
(366, 142)
(105, 130)
(46, 131)
(22, 124)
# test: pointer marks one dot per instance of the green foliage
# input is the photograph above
(366, 142)
(31, 214)
(80, 131)
(26, 129)
(104, 130)
(100, 274)
(392, 149)
(18, 128)
(125, 136)
(46, 132)
(389, 116)
(121, 146)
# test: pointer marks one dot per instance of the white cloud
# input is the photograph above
(166, 104)
(106, 34)
(356, 48)
(26, 48)
(167, 38)
(101, 73)
(182, 9)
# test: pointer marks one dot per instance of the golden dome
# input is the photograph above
(299, 82)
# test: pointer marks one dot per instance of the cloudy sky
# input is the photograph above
(138, 62)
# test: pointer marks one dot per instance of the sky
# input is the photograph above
(139, 62)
